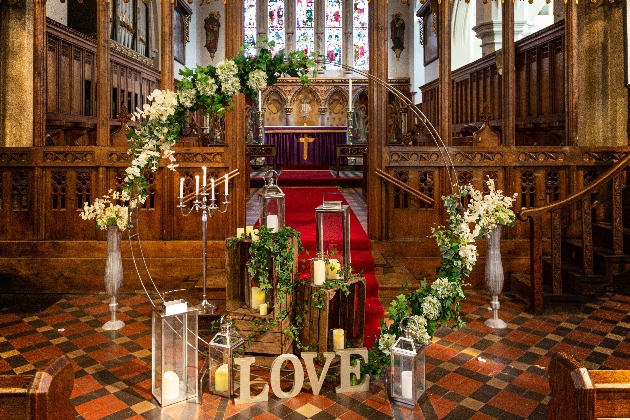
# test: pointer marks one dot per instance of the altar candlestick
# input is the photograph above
(181, 188)
(226, 185)
(204, 177)
(196, 184)
(259, 101)
(212, 187)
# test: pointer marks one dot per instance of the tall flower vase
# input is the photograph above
(113, 276)
(494, 277)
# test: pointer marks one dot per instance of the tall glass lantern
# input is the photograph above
(407, 374)
(271, 203)
(224, 347)
(332, 224)
(174, 359)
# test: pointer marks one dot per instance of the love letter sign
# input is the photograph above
(316, 382)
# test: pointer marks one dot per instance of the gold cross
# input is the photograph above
(306, 140)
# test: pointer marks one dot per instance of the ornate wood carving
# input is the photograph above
(587, 235)
(69, 157)
(414, 157)
(478, 157)
(58, 188)
(8, 157)
(552, 186)
(542, 156)
(401, 198)
(200, 157)
(426, 186)
(556, 252)
(19, 191)
(119, 157)
(528, 189)
(617, 210)
(603, 156)
(83, 188)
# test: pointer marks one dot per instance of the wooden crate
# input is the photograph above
(339, 311)
(273, 341)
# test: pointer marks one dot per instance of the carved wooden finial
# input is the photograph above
(123, 116)
(485, 114)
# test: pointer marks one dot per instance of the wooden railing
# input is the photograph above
(535, 218)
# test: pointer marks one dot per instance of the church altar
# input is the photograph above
(307, 145)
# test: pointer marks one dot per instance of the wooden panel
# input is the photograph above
(52, 74)
(76, 106)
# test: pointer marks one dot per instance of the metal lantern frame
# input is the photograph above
(174, 350)
(224, 347)
(271, 200)
(322, 235)
(407, 371)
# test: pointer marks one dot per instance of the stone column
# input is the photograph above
(16, 74)
(347, 57)
(167, 66)
(377, 110)
(289, 25)
(319, 18)
(103, 91)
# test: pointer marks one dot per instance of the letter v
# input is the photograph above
(316, 383)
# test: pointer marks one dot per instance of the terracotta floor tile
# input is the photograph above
(443, 406)
(83, 385)
(14, 329)
(266, 416)
(27, 340)
(461, 338)
(90, 340)
(524, 338)
(533, 382)
(58, 318)
(513, 403)
(460, 384)
(584, 337)
(101, 407)
(505, 351)
(614, 362)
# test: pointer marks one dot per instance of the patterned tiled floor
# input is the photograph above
(475, 372)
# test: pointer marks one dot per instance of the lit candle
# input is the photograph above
(254, 235)
(226, 185)
(332, 269)
(258, 297)
(319, 272)
(263, 309)
(204, 177)
(259, 101)
(196, 184)
(181, 188)
(249, 229)
(272, 222)
(338, 339)
(407, 384)
(221, 378)
(212, 187)
(170, 385)
(349, 93)
(239, 232)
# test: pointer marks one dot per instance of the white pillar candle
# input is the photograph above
(319, 272)
(258, 297)
(332, 268)
(170, 385)
(181, 187)
(263, 309)
(196, 184)
(259, 101)
(407, 384)
(254, 235)
(212, 187)
(338, 339)
(239, 232)
(272, 222)
(204, 177)
(221, 378)
(226, 185)
(249, 229)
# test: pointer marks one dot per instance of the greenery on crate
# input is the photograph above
(439, 304)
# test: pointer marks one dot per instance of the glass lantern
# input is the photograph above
(271, 203)
(224, 347)
(332, 226)
(407, 373)
(174, 359)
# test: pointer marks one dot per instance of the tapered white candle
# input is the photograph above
(407, 384)
(204, 176)
(349, 93)
(181, 188)
(259, 101)
(226, 184)
(196, 184)
(212, 187)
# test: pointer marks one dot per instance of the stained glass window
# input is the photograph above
(250, 24)
(275, 9)
(304, 26)
(333, 31)
(360, 34)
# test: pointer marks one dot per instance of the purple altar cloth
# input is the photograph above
(322, 151)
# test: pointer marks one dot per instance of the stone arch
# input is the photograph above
(305, 107)
(275, 103)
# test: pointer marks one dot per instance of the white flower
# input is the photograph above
(227, 72)
(206, 88)
(186, 97)
(418, 327)
(442, 287)
(431, 307)
(385, 343)
(490, 210)
(257, 80)
(111, 215)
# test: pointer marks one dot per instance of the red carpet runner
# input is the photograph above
(300, 204)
